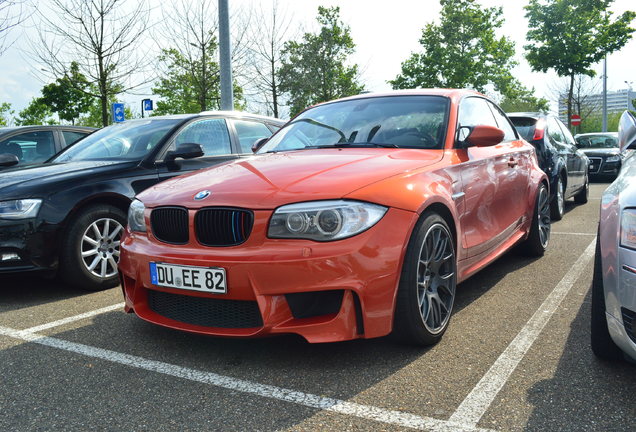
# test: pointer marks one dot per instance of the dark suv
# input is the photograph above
(565, 165)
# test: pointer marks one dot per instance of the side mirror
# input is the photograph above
(480, 135)
(184, 151)
(258, 144)
(8, 159)
(627, 131)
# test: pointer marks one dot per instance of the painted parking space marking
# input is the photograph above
(74, 318)
(267, 391)
(481, 397)
(572, 233)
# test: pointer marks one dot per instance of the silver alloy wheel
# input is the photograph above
(560, 195)
(543, 214)
(100, 247)
(436, 278)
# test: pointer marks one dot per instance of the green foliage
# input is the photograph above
(5, 113)
(594, 123)
(524, 100)
(68, 96)
(36, 113)
(570, 36)
(461, 51)
(191, 85)
(313, 70)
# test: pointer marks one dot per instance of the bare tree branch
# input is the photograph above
(12, 14)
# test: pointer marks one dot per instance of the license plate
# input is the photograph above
(206, 279)
(593, 167)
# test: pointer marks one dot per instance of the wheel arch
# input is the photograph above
(122, 202)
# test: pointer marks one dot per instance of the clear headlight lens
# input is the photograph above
(136, 220)
(614, 158)
(324, 220)
(628, 228)
(19, 209)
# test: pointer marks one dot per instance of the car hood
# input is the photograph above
(601, 151)
(271, 180)
(32, 180)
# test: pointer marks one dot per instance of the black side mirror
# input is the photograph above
(8, 159)
(258, 144)
(184, 151)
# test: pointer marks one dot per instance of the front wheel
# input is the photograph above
(426, 292)
(90, 249)
(539, 236)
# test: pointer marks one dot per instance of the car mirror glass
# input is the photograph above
(8, 159)
(627, 131)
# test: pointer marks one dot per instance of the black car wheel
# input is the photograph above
(557, 207)
(582, 196)
(539, 236)
(90, 250)
(602, 344)
(426, 292)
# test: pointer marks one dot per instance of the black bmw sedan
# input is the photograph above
(68, 214)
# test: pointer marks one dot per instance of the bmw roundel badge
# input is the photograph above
(202, 195)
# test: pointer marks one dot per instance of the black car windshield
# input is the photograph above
(390, 121)
(597, 141)
(131, 140)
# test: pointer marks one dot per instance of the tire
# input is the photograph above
(557, 206)
(539, 237)
(582, 196)
(602, 344)
(426, 292)
(90, 248)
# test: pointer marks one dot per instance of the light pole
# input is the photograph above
(225, 58)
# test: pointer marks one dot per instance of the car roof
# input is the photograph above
(237, 114)
(613, 134)
(449, 93)
(534, 115)
(4, 130)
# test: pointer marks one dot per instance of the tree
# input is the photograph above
(461, 51)
(314, 69)
(5, 112)
(105, 39)
(570, 36)
(582, 100)
(36, 113)
(524, 100)
(68, 96)
(11, 15)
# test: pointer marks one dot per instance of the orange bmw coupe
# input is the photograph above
(356, 219)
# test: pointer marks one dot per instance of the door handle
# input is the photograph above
(512, 162)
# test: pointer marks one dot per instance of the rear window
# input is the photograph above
(525, 126)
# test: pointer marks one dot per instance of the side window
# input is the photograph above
(566, 133)
(30, 147)
(503, 123)
(474, 111)
(248, 132)
(71, 136)
(554, 131)
(211, 134)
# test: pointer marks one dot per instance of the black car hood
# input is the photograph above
(29, 180)
(601, 151)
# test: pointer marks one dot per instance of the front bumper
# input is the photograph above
(325, 292)
(26, 245)
(599, 167)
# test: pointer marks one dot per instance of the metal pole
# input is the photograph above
(225, 58)
(605, 94)
(142, 109)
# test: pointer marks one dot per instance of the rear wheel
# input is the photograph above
(557, 207)
(90, 249)
(426, 292)
(602, 344)
(539, 236)
(582, 196)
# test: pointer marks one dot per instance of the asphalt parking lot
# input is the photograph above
(516, 357)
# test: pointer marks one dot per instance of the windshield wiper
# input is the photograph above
(343, 138)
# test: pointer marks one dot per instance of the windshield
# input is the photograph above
(392, 121)
(131, 140)
(597, 141)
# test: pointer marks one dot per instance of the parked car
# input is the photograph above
(357, 218)
(69, 213)
(603, 151)
(614, 282)
(36, 144)
(558, 156)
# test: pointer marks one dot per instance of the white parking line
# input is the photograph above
(572, 233)
(480, 398)
(74, 318)
(272, 392)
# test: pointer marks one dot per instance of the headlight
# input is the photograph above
(19, 209)
(615, 158)
(324, 220)
(628, 228)
(136, 221)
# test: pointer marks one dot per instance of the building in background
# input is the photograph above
(592, 105)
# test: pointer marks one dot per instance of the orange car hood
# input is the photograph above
(270, 180)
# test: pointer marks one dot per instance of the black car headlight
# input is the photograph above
(136, 220)
(324, 220)
(19, 209)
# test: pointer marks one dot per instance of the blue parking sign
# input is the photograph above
(147, 104)
(118, 113)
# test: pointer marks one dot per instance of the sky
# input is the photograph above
(385, 34)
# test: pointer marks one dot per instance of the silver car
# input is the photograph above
(614, 281)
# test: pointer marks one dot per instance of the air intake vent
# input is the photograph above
(629, 321)
(206, 312)
(223, 226)
(170, 224)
